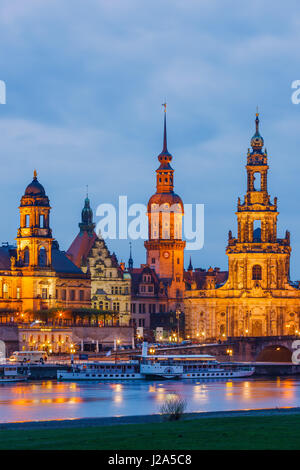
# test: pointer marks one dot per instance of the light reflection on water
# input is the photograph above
(66, 400)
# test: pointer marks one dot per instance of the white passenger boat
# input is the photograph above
(10, 374)
(102, 371)
(196, 366)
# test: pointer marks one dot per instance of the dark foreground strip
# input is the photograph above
(155, 418)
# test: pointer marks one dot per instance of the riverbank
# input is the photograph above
(257, 429)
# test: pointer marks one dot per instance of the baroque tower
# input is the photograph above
(257, 258)
(34, 239)
(165, 247)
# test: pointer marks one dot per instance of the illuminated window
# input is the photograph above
(256, 272)
(18, 293)
(44, 293)
(5, 291)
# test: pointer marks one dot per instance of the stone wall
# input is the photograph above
(104, 336)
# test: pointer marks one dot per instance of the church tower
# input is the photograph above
(165, 247)
(34, 239)
(257, 258)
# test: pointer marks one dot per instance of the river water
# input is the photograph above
(52, 400)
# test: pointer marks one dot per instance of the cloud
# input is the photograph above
(85, 81)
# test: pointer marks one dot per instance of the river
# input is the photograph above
(51, 400)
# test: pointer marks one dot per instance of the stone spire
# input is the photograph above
(130, 261)
(86, 224)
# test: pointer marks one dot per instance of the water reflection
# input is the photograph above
(67, 400)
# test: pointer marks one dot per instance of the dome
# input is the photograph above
(35, 188)
(165, 198)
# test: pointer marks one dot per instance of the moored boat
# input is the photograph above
(10, 373)
(101, 371)
(191, 367)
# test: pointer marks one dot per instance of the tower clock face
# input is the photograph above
(166, 254)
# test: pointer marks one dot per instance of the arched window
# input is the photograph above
(5, 291)
(27, 220)
(26, 256)
(257, 181)
(42, 221)
(257, 231)
(256, 272)
(42, 261)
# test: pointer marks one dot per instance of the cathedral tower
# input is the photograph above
(257, 258)
(165, 247)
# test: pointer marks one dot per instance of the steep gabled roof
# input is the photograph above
(80, 248)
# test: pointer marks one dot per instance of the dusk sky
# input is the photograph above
(85, 82)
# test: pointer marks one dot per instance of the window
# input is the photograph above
(44, 293)
(26, 256)
(18, 292)
(27, 220)
(256, 272)
(153, 261)
(81, 296)
(5, 291)
(42, 261)
(42, 221)
(257, 181)
(72, 294)
(257, 231)
(63, 294)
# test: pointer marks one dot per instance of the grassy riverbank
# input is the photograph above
(247, 432)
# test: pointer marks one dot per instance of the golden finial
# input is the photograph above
(35, 174)
(257, 113)
(165, 107)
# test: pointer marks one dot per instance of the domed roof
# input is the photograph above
(35, 188)
(165, 198)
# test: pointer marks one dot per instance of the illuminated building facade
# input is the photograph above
(158, 286)
(35, 275)
(51, 340)
(110, 282)
(258, 298)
